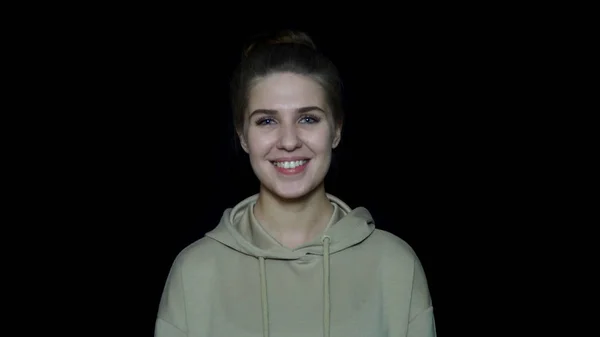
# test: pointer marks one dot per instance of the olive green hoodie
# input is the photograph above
(351, 281)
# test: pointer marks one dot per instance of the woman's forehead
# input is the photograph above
(286, 91)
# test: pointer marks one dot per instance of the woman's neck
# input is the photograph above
(294, 222)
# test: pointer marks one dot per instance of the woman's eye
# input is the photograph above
(309, 120)
(265, 121)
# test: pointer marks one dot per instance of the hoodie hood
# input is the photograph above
(240, 230)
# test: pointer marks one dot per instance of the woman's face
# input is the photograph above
(289, 134)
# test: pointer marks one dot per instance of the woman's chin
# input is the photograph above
(290, 193)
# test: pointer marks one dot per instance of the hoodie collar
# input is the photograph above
(262, 239)
(239, 229)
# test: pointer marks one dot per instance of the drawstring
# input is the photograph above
(326, 298)
(263, 292)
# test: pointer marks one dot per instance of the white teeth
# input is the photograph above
(289, 164)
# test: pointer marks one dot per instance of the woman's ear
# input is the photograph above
(337, 137)
(243, 141)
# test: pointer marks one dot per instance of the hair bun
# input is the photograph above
(280, 37)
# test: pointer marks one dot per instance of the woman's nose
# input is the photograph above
(288, 138)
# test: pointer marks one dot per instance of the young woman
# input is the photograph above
(293, 260)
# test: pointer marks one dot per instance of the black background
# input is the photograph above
(431, 122)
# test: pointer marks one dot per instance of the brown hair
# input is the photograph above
(284, 51)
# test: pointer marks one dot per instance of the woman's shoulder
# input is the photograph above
(395, 255)
(201, 251)
(391, 245)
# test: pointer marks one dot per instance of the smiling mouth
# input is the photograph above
(289, 164)
(290, 167)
